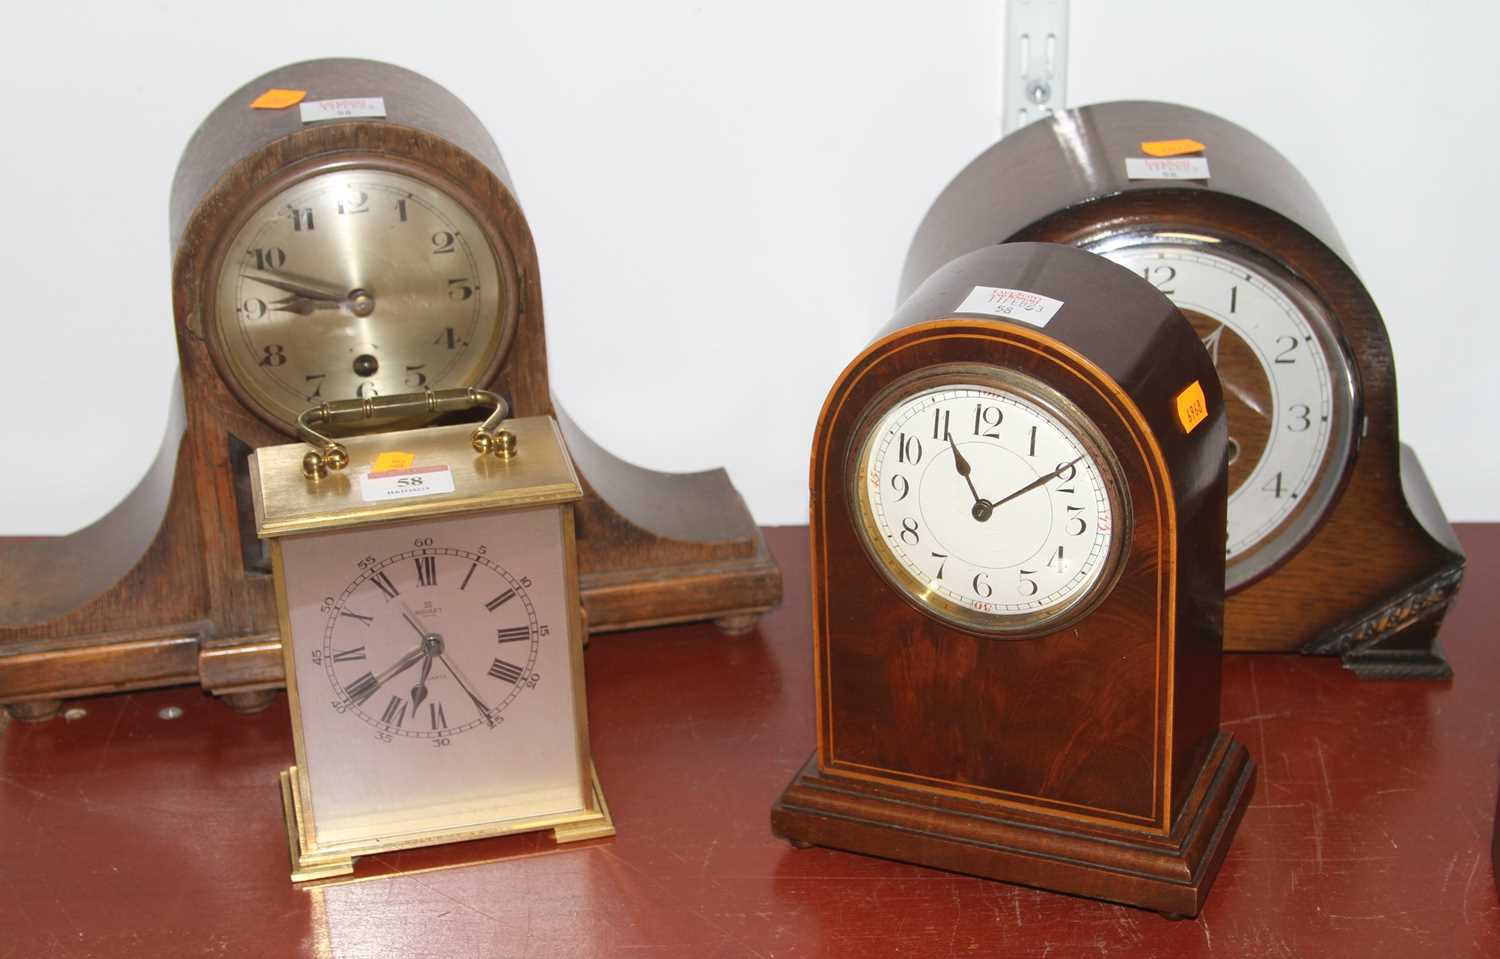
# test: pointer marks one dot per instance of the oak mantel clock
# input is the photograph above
(427, 592)
(1336, 543)
(1018, 499)
(362, 242)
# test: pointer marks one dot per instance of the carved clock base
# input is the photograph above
(1169, 874)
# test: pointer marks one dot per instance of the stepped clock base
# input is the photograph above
(1169, 874)
(310, 863)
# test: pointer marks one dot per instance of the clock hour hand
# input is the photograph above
(1039, 481)
(484, 710)
(982, 507)
(419, 691)
(364, 688)
(301, 305)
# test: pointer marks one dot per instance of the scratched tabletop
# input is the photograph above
(123, 833)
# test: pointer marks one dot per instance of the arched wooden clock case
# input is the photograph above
(127, 604)
(1370, 571)
(1083, 756)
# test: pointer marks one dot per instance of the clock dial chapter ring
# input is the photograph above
(1288, 378)
(1011, 523)
(401, 650)
(356, 277)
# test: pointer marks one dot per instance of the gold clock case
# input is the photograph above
(288, 504)
(173, 587)
(1372, 577)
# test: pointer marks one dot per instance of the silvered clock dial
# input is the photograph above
(1288, 385)
(355, 282)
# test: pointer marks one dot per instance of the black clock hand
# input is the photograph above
(298, 286)
(463, 684)
(1038, 481)
(302, 306)
(982, 507)
(962, 465)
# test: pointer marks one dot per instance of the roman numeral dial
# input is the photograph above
(431, 642)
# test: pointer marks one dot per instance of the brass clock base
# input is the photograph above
(1169, 874)
(309, 862)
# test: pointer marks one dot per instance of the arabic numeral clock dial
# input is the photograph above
(1289, 386)
(356, 282)
(987, 498)
(432, 638)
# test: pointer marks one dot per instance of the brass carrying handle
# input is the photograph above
(329, 454)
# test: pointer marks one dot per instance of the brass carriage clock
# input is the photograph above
(1237, 238)
(1018, 498)
(363, 242)
(427, 591)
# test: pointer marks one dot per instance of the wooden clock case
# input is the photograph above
(1088, 760)
(172, 587)
(1373, 579)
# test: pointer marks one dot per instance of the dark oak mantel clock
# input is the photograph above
(1336, 543)
(363, 242)
(1018, 502)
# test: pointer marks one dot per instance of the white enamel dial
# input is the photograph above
(1288, 389)
(988, 505)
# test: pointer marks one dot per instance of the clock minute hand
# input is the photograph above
(298, 286)
(464, 685)
(1039, 481)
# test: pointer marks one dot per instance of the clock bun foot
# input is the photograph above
(34, 710)
(737, 624)
(249, 702)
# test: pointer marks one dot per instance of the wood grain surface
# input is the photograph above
(1063, 180)
(122, 834)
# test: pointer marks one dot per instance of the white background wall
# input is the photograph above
(722, 195)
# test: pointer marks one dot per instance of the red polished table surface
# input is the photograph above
(126, 834)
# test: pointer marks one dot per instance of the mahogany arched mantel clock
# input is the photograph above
(1336, 543)
(1018, 589)
(362, 242)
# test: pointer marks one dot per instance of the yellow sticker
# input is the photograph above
(1192, 407)
(392, 461)
(275, 99)
(1170, 148)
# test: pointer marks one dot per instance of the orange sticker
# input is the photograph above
(277, 99)
(1170, 148)
(1192, 407)
(392, 461)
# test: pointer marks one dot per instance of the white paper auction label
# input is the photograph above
(345, 109)
(405, 484)
(1166, 168)
(1019, 305)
